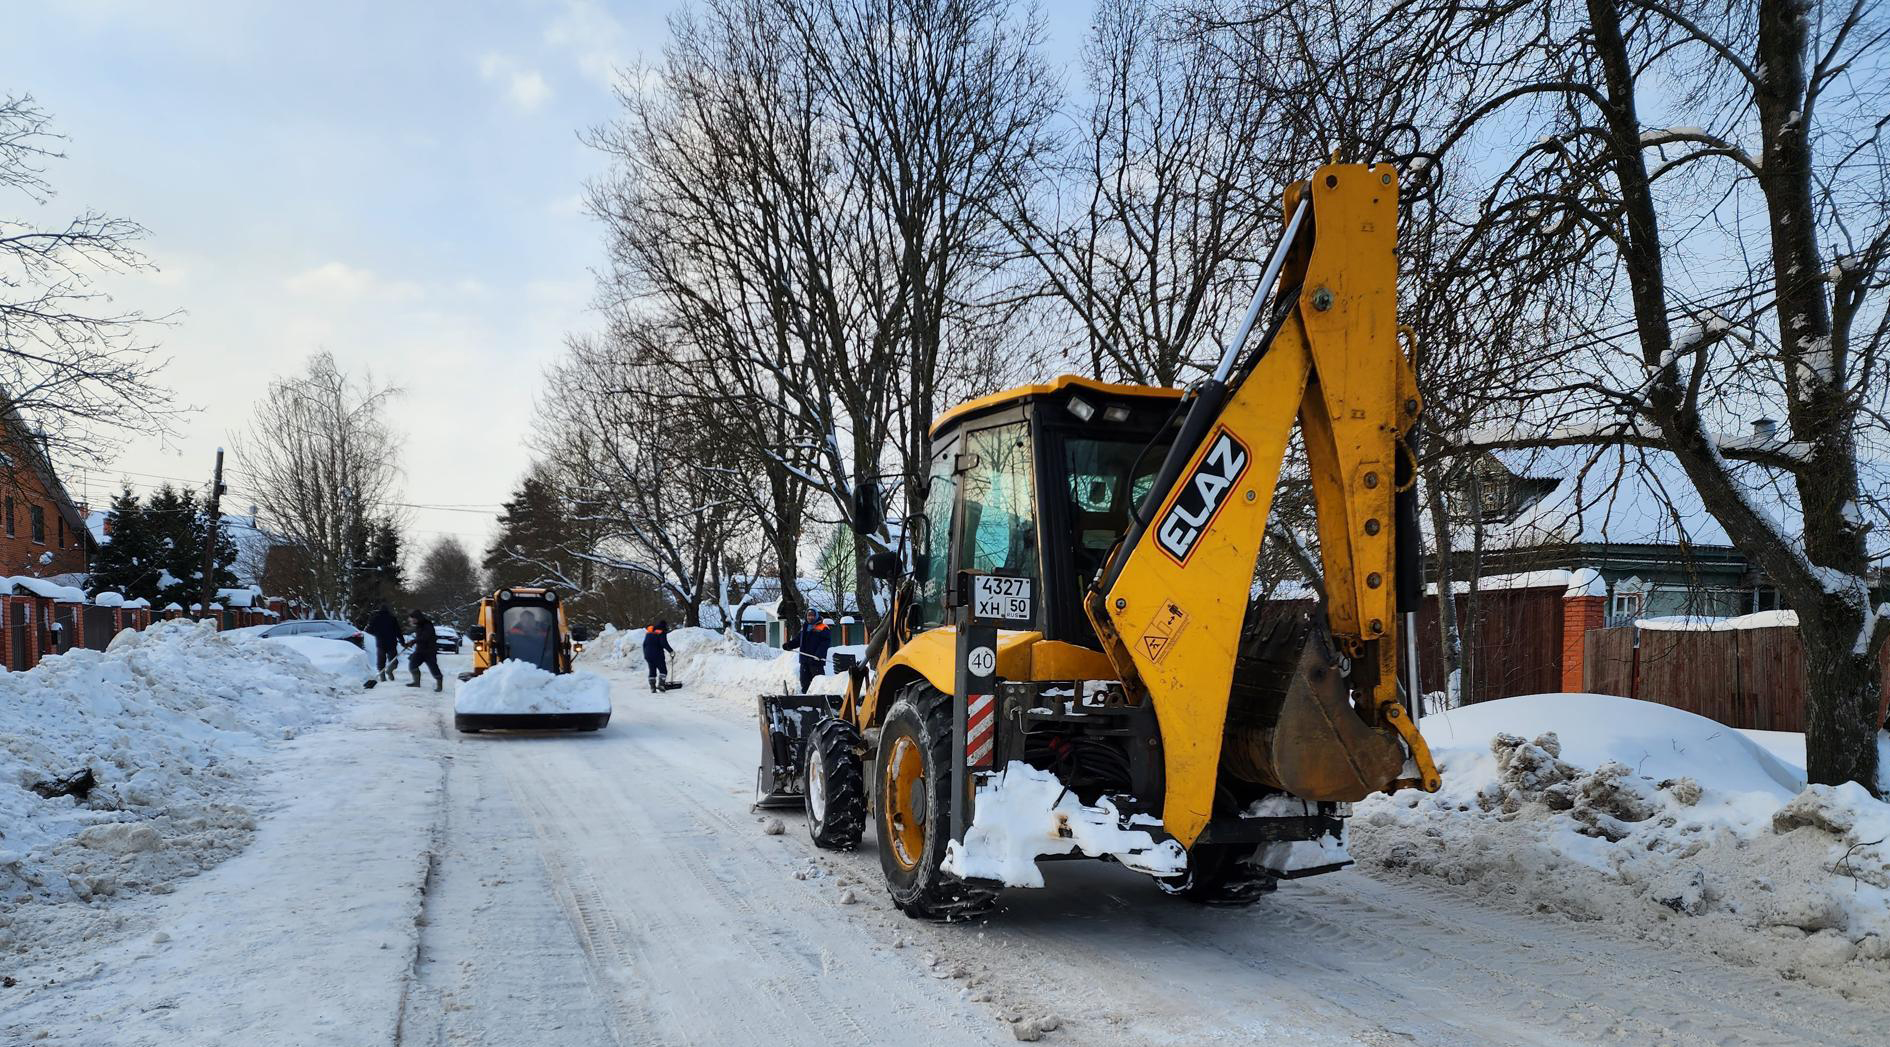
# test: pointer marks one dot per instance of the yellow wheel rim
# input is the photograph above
(904, 802)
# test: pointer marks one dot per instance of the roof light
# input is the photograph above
(1115, 413)
(1081, 408)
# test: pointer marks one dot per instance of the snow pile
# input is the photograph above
(335, 657)
(1024, 812)
(124, 769)
(719, 664)
(1653, 820)
(515, 687)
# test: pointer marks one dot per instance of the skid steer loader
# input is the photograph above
(521, 624)
(1072, 663)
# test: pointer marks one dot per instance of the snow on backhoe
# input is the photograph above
(522, 675)
(1072, 664)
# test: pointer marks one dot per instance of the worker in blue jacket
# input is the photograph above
(656, 652)
(813, 643)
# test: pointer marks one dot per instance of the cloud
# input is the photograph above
(525, 88)
(339, 281)
(592, 35)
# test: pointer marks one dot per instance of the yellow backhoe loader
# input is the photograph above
(1074, 609)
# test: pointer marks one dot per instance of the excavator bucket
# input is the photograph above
(1307, 738)
(786, 720)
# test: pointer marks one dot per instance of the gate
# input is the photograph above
(100, 624)
(66, 633)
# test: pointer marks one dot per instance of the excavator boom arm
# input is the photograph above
(1172, 602)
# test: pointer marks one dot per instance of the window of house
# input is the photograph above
(9, 516)
(37, 515)
(62, 532)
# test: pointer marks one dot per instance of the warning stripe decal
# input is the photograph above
(980, 729)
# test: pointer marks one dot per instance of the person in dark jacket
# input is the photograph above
(813, 642)
(656, 652)
(426, 644)
(385, 628)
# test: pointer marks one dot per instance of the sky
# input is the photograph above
(396, 183)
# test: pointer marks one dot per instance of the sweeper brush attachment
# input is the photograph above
(786, 721)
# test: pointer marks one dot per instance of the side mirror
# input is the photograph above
(580, 634)
(869, 509)
(883, 565)
(476, 634)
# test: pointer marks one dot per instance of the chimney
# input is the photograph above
(1765, 428)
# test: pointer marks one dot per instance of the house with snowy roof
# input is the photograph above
(1630, 514)
(765, 620)
(42, 531)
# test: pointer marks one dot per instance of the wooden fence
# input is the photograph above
(1747, 678)
(1515, 648)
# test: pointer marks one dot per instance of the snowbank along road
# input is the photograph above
(412, 886)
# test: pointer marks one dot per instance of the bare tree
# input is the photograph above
(1696, 235)
(800, 209)
(1145, 217)
(319, 458)
(70, 360)
(447, 586)
(656, 488)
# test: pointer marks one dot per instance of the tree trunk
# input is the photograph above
(1843, 700)
(1449, 640)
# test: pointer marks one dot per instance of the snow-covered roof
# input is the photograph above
(1627, 496)
(44, 587)
(247, 596)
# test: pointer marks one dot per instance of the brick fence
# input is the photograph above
(33, 627)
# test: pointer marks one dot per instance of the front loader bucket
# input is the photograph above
(786, 720)
(1315, 746)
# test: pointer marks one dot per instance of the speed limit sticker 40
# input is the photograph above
(982, 661)
(994, 596)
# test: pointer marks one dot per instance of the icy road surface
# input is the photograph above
(418, 887)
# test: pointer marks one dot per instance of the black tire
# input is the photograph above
(919, 726)
(1219, 875)
(833, 788)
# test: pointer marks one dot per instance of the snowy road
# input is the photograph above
(412, 886)
(615, 888)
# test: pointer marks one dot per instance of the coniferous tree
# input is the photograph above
(375, 574)
(180, 526)
(127, 562)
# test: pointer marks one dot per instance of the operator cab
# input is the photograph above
(1039, 482)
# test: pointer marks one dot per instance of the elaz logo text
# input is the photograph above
(1202, 495)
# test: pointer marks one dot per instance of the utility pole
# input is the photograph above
(210, 537)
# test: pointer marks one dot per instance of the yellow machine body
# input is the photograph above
(491, 643)
(1168, 608)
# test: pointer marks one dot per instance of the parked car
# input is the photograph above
(446, 639)
(319, 627)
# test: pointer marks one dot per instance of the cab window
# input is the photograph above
(1108, 479)
(1000, 515)
(529, 636)
(934, 566)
